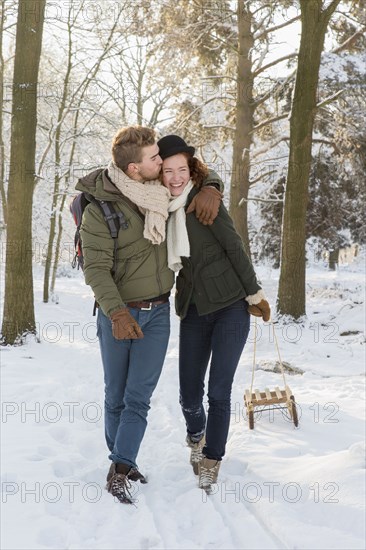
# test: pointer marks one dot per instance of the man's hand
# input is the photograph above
(124, 326)
(261, 310)
(206, 204)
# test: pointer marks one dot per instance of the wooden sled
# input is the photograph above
(270, 398)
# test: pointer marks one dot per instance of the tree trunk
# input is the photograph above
(291, 293)
(57, 159)
(2, 145)
(333, 259)
(64, 196)
(58, 247)
(51, 238)
(19, 302)
(244, 125)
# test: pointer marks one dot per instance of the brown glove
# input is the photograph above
(261, 310)
(206, 204)
(124, 326)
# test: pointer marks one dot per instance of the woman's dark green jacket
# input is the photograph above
(218, 271)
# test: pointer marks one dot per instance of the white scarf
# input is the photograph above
(177, 236)
(151, 197)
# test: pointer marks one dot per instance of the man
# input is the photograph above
(132, 282)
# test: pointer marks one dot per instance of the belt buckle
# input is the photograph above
(147, 308)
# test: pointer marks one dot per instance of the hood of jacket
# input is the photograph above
(98, 184)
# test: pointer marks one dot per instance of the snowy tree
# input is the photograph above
(227, 97)
(63, 129)
(19, 303)
(315, 17)
(7, 26)
(336, 191)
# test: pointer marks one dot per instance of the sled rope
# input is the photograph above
(254, 350)
(254, 353)
(278, 351)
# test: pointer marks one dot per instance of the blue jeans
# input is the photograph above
(221, 335)
(131, 372)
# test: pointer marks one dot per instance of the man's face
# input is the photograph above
(150, 165)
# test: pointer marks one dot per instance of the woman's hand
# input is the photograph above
(261, 310)
(258, 305)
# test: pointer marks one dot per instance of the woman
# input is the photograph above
(216, 289)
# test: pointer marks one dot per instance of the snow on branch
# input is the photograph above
(329, 99)
(257, 199)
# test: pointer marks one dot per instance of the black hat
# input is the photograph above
(172, 145)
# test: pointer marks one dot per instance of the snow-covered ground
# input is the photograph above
(279, 487)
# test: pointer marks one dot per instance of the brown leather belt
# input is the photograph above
(147, 305)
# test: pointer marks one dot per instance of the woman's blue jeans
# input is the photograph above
(131, 372)
(221, 335)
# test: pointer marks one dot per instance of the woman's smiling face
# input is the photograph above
(176, 174)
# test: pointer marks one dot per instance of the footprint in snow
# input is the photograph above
(61, 468)
(60, 434)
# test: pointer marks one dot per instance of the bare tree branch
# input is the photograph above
(261, 177)
(270, 146)
(272, 29)
(218, 126)
(328, 12)
(329, 99)
(257, 199)
(198, 108)
(276, 86)
(347, 16)
(269, 5)
(279, 60)
(327, 142)
(269, 121)
(349, 42)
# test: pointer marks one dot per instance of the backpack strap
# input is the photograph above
(115, 220)
(77, 208)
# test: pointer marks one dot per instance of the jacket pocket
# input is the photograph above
(220, 281)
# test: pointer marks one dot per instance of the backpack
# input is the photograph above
(114, 219)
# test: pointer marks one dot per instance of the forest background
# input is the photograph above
(272, 95)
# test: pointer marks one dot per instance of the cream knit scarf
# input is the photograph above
(152, 199)
(177, 236)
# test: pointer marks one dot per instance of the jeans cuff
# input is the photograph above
(196, 437)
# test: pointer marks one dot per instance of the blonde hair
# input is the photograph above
(128, 142)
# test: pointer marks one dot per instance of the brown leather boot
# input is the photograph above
(208, 471)
(196, 452)
(133, 474)
(118, 483)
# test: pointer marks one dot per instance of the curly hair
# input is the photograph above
(197, 169)
(128, 142)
